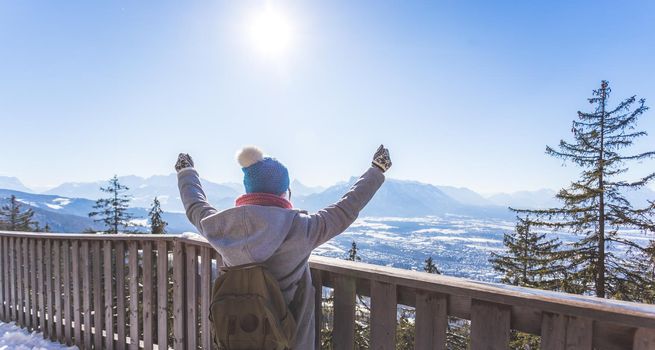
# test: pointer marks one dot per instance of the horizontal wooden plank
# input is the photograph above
(630, 314)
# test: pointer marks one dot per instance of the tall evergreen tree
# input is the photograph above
(13, 218)
(594, 206)
(157, 223)
(531, 260)
(352, 253)
(112, 211)
(430, 266)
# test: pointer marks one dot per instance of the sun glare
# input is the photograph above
(270, 32)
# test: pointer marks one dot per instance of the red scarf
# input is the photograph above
(265, 199)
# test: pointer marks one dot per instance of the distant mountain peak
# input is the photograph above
(298, 188)
(13, 183)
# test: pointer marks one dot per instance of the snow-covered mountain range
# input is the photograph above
(66, 206)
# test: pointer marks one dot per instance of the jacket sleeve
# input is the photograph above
(336, 218)
(193, 197)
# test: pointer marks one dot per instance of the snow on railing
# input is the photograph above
(153, 291)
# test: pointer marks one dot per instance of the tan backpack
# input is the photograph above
(248, 311)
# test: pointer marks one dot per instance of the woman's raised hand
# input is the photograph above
(184, 160)
(381, 159)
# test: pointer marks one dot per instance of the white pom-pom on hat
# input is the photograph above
(248, 156)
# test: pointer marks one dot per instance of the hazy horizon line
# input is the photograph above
(40, 189)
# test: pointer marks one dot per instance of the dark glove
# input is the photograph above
(183, 161)
(381, 159)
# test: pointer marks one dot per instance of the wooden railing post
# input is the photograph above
(12, 279)
(33, 284)
(40, 281)
(205, 292)
(134, 294)
(68, 312)
(317, 282)
(27, 317)
(179, 301)
(59, 336)
(565, 332)
(384, 311)
(98, 308)
(77, 304)
(86, 294)
(147, 295)
(8, 280)
(644, 339)
(343, 334)
(431, 321)
(19, 280)
(490, 325)
(162, 294)
(48, 290)
(121, 343)
(3, 280)
(109, 295)
(191, 296)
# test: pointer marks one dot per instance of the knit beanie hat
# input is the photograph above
(262, 174)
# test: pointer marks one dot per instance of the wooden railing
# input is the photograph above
(114, 291)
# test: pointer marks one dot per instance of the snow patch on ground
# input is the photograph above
(139, 222)
(53, 206)
(28, 203)
(191, 235)
(13, 337)
(441, 230)
(62, 201)
(328, 247)
(372, 225)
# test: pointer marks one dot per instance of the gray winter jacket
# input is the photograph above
(283, 237)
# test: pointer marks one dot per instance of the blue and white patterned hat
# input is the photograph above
(262, 174)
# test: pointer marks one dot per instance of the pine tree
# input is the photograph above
(430, 266)
(112, 211)
(352, 253)
(13, 218)
(594, 206)
(362, 309)
(405, 329)
(531, 260)
(157, 223)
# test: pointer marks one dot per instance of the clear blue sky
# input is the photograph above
(463, 93)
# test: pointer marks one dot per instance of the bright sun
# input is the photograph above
(270, 32)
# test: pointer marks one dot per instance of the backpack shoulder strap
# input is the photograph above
(299, 296)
